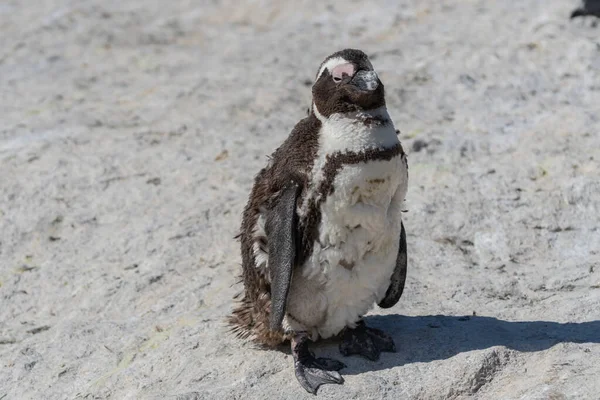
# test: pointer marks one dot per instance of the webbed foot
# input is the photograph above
(313, 372)
(366, 342)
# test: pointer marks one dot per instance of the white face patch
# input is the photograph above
(337, 61)
(331, 64)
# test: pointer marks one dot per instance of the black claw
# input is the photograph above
(366, 342)
(313, 372)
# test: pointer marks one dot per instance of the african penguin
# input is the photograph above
(322, 238)
(589, 8)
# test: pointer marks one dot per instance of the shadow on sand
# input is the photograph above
(438, 337)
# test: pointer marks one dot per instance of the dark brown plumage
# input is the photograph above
(250, 319)
(295, 157)
(292, 160)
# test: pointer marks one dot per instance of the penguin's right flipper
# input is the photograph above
(281, 223)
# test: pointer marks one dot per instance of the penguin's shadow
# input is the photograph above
(439, 337)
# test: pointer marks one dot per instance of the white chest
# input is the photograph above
(366, 202)
(357, 248)
(355, 254)
(360, 220)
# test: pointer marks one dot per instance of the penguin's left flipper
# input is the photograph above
(398, 279)
(281, 238)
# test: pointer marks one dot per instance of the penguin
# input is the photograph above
(322, 237)
(589, 8)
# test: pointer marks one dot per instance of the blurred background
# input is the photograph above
(131, 131)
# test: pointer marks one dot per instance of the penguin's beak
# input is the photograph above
(365, 80)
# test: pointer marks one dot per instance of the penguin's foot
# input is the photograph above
(313, 372)
(366, 342)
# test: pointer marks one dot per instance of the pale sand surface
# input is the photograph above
(130, 133)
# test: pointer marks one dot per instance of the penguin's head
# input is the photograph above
(346, 82)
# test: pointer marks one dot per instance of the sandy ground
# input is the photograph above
(130, 133)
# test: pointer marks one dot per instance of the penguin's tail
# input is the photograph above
(250, 320)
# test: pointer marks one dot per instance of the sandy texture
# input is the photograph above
(130, 133)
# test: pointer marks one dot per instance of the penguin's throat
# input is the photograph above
(373, 120)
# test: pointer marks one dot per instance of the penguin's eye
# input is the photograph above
(341, 71)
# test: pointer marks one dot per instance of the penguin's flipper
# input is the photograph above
(398, 278)
(280, 228)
